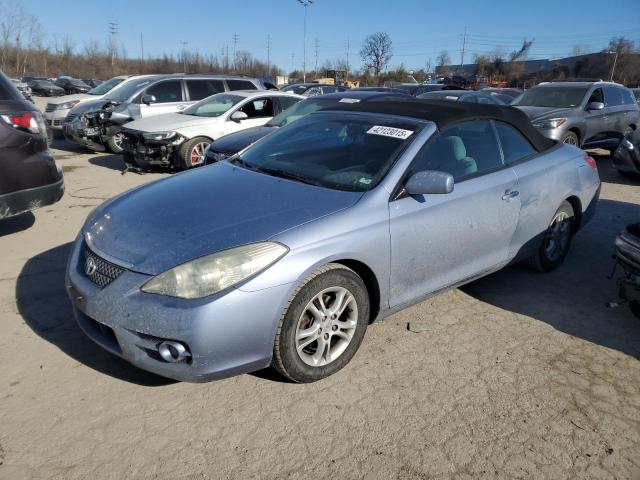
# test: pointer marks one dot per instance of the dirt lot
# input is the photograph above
(518, 375)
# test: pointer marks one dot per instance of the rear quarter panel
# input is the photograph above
(544, 182)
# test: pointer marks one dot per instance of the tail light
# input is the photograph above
(591, 162)
(31, 122)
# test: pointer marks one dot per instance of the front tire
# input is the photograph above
(114, 143)
(323, 325)
(192, 152)
(557, 241)
(571, 138)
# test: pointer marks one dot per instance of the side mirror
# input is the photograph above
(429, 182)
(148, 99)
(238, 116)
(595, 106)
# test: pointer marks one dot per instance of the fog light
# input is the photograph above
(173, 352)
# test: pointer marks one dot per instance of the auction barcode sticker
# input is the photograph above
(390, 132)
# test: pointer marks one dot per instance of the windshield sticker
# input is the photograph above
(366, 181)
(390, 132)
(349, 100)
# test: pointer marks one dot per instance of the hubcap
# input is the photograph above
(197, 153)
(558, 236)
(326, 326)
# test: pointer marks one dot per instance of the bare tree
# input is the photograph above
(521, 54)
(580, 50)
(376, 52)
(443, 59)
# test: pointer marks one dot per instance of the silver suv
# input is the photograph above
(586, 114)
(96, 124)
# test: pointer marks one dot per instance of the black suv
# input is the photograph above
(29, 176)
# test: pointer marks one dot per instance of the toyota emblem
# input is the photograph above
(90, 267)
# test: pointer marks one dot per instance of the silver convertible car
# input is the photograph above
(285, 253)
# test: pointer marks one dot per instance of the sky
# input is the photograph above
(419, 29)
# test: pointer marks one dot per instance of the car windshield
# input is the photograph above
(559, 97)
(125, 90)
(350, 152)
(297, 89)
(214, 106)
(105, 87)
(298, 111)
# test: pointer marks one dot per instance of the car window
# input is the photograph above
(214, 106)
(613, 96)
(258, 108)
(240, 85)
(286, 102)
(552, 96)
(514, 145)
(199, 89)
(627, 97)
(463, 150)
(329, 89)
(313, 91)
(596, 96)
(166, 92)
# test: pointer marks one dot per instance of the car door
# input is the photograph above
(442, 240)
(616, 112)
(597, 122)
(259, 110)
(169, 98)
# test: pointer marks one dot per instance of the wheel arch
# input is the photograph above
(576, 204)
(370, 280)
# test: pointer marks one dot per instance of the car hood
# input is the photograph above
(89, 105)
(169, 222)
(70, 98)
(543, 113)
(170, 121)
(234, 142)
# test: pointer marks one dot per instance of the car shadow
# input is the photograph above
(43, 303)
(609, 174)
(17, 223)
(573, 298)
(110, 161)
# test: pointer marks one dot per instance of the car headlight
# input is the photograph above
(158, 135)
(213, 273)
(67, 105)
(551, 123)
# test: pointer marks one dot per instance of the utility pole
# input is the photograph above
(236, 39)
(317, 47)
(141, 52)
(305, 4)
(347, 72)
(464, 44)
(613, 68)
(113, 29)
(184, 55)
(293, 62)
(268, 55)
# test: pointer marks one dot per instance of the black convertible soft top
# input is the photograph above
(447, 112)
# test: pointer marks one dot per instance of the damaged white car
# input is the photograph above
(179, 140)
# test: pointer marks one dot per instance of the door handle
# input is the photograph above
(510, 194)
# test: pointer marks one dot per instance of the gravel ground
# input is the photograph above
(518, 375)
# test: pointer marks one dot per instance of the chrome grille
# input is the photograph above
(98, 270)
(50, 107)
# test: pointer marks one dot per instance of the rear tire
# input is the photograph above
(571, 138)
(114, 143)
(192, 152)
(323, 325)
(557, 241)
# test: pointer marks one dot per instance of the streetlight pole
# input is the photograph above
(305, 4)
(613, 69)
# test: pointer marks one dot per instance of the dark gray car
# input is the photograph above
(586, 114)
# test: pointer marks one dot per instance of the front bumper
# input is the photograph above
(78, 132)
(25, 200)
(228, 333)
(625, 160)
(146, 153)
(55, 118)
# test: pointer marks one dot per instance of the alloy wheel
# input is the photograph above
(570, 140)
(326, 326)
(197, 153)
(558, 236)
